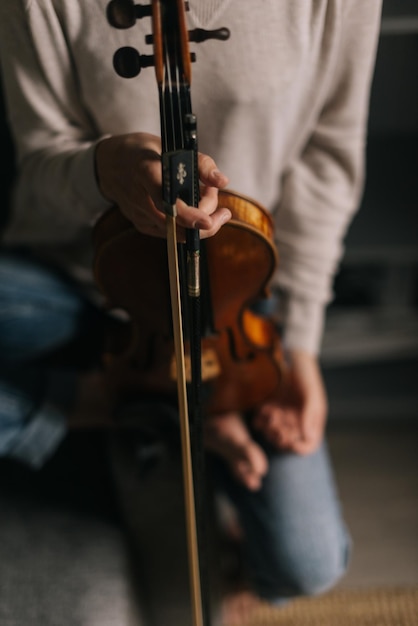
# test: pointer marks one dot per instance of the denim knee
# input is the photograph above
(40, 309)
(304, 572)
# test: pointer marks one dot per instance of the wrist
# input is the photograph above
(301, 321)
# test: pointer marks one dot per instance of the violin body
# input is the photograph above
(241, 351)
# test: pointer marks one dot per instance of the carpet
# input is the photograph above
(365, 607)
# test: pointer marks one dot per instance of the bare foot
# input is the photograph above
(228, 436)
(238, 607)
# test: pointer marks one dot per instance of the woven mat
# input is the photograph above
(376, 607)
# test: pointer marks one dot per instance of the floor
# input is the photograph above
(65, 562)
(376, 464)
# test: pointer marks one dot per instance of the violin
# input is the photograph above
(192, 337)
(242, 361)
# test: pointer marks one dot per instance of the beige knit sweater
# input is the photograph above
(281, 106)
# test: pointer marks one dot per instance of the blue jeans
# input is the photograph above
(41, 311)
(296, 542)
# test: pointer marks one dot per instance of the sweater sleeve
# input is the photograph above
(56, 191)
(323, 185)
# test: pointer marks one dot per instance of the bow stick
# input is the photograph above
(172, 61)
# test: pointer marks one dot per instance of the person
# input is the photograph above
(282, 113)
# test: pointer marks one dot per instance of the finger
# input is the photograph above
(209, 173)
(287, 436)
(192, 217)
(303, 447)
(151, 183)
(219, 218)
(146, 218)
(208, 202)
(264, 414)
(272, 422)
(311, 434)
(250, 468)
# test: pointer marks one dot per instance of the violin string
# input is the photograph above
(179, 102)
(168, 98)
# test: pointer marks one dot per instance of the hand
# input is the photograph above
(129, 174)
(227, 435)
(296, 420)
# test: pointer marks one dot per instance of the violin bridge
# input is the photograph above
(210, 366)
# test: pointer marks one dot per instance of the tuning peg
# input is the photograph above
(128, 62)
(124, 13)
(200, 34)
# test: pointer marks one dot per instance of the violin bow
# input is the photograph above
(172, 61)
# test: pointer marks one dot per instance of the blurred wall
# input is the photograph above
(370, 352)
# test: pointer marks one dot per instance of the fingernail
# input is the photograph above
(217, 175)
(226, 216)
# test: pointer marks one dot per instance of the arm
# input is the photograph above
(54, 137)
(321, 191)
(322, 187)
(59, 147)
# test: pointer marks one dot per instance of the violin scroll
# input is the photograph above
(123, 14)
